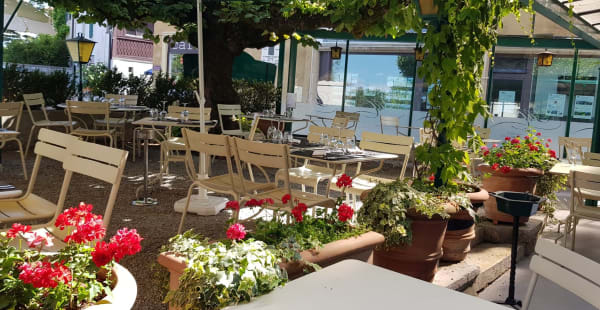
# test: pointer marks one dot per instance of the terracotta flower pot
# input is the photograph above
(478, 197)
(124, 291)
(517, 180)
(420, 258)
(360, 248)
(457, 240)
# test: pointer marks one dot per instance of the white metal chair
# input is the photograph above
(93, 160)
(12, 110)
(390, 121)
(310, 174)
(234, 112)
(37, 100)
(362, 181)
(269, 155)
(228, 183)
(483, 133)
(50, 145)
(352, 118)
(94, 110)
(571, 271)
(120, 123)
(574, 147)
(584, 185)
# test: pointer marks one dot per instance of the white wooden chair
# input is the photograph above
(310, 174)
(94, 110)
(228, 183)
(390, 121)
(362, 181)
(37, 100)
(339, 122)
(28, 207)
(425, 136)
(591, 159)
(574, 147)
(100, 162)
(276, 156)
(483, 133)
(172, 149)
(234, 112)
(12, 110)
(120, 123)
(352, 119)
(584, 185)
(569, 270)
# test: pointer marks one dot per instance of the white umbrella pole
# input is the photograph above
(202, 203)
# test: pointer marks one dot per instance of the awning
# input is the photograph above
(585, 22)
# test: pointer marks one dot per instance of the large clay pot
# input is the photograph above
(457, 240)
(124, 291)
(420, 258)
(360, 248)
(517, 180)
(477, 197)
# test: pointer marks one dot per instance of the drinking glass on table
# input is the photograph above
(153, 113)
(324, 139)
(350, 144)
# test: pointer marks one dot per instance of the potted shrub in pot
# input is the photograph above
(76, 277)
(412, 215)
(519, 164)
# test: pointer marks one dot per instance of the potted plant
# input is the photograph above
(519, 164)
(303, 244)
(412, 215)
(78, 276)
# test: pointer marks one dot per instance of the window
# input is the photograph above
(91, 31)
(135, 32)
(271, 51)
(130, 70)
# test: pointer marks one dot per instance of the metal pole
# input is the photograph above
(596, 128)
(488, 94)
(345, 75)
(80, 83)
(572, 93)
(1, 67)
(146, 169)
(412, 98)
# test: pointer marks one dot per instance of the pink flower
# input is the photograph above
(233, 205)
(547, 145)
(538, 134)
(495, 145)
(549, 140)
(345, 212)
(35, 240)
(286, 198)
(236, 232)
(526, 137)
(505, 169)
(344, 181)
(495, 166)
(484, 148)
(16, 229)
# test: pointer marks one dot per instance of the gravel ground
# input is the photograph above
(155, 224)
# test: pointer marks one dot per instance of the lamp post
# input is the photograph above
(544, 59)
(336, 52)
(80, 50)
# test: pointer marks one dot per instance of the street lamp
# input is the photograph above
(427, 9)
(336, 52)
(80, 50)
(419, 53)
(544, 59)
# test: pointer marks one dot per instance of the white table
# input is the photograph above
(564, 168)
(353, 284)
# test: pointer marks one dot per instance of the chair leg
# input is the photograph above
(529, 293)
(22, 159)
(29, 140)
(185, 209)
(574, 223)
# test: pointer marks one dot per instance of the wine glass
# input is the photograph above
(153, 113)
(324, 139)
(350, 144)
(185, 114)
(270, 133)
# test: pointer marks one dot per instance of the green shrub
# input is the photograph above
(44, 50)
(57, 86)
(257, 96)
(98, 79)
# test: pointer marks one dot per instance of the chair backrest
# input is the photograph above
(582, 181)
(591, 159)
(209, 144)
(32, 100)
(399, 145)
(425, 136)
(574, 147)
(232, 110)
(194, 113)
(129, 99)
(314, 133)
(571, 271)
(262, 155)
(93, 109)
(389, 121)
(12, 109)
(97, 161)
(483, 133)
(339, 122)
(352, 117)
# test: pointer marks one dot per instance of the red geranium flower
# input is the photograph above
(16, 228)
(344, 181)
(495, 166)
(505, 169)
(498, 155)
(87, 232)
(495, 145)
(35, 240)
(102, 254)
(286, 198)
(547, 145)
(44, 274)
(549, 140)
(552, 153)
(269, 201)
(125, 242)
(507, 138)
(515, 141)
(253, 203)
(233, 205)
(345, 212)
(298, 212)
(236, 232)
(432, 178)
(75, 216)
(486, 153)
(538, 134)
(526, 137)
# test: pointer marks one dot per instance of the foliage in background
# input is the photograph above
(44, 50)
(59, 21)
(257, 96)
(223, 273)
(100, 80)
(56, 86)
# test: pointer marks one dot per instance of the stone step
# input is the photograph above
(485, 263)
